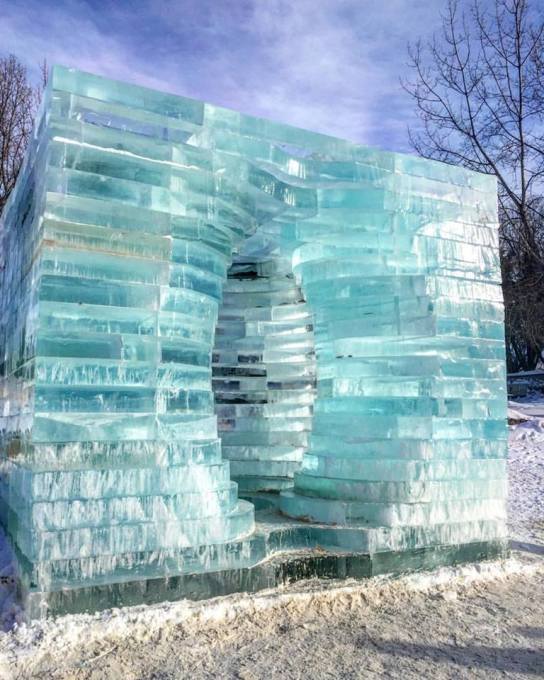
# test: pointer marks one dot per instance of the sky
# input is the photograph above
(332, 66)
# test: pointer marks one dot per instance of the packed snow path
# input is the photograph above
(467, 623)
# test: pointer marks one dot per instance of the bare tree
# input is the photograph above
(18, 102)
(479, 93)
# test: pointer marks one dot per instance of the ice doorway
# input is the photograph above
(263, 367)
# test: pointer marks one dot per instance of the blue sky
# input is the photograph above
(326, 65)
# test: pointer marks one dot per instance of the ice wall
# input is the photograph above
(119, 237)
(366, 280)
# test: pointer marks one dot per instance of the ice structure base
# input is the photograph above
(279, 552)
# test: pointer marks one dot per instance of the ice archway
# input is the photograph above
(363, 282)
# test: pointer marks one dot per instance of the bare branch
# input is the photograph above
(478, 89)
(18, 104)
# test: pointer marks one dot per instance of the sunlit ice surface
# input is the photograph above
(196, 305)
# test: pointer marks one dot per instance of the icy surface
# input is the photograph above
(341, 305)
(10, 607)
(525, 520)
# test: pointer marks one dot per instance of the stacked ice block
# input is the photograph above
(264, 368)
(118, 239)
(140, 223)
(400, 269)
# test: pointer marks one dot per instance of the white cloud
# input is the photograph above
(327, 65)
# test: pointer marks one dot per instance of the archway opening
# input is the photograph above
(263, 366)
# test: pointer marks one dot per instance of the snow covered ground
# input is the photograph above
(526, 473)
(473, 621)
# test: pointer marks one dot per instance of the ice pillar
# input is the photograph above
(402, 277)
(117, 239)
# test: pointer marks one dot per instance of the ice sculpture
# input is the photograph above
(358, 285)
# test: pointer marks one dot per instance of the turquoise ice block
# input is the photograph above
(191, 296)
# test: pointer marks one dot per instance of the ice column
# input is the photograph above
(402, 277)
(118, 238)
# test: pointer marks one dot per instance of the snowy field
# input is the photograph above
(479, 621)
(526, 473)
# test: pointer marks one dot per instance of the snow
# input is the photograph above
(515, 415)
(526, 473)
(23, 644)
(61, 637)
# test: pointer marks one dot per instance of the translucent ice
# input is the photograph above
(190, 295)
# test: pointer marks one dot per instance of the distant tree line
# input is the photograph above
(478, 88)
